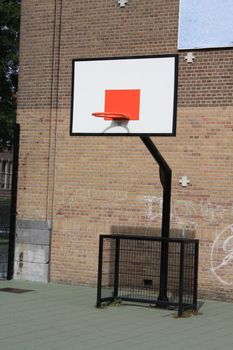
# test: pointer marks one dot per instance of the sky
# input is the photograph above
(205, 24)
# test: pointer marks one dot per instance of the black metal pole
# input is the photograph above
(116, 272)
(100, 263)
(11, 249)
(165, 173)
(181, 280)
(195, 285)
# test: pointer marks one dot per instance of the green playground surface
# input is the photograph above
(64, 317)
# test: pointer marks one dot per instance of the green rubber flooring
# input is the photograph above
(64, 317)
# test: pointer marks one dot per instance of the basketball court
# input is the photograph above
(58, 317)
(119, 138)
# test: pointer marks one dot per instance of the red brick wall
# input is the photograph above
(88, 186)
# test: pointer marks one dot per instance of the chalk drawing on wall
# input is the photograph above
(222, 256)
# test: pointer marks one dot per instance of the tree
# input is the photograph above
(9, 52)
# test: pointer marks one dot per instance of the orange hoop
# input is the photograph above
(111, 116)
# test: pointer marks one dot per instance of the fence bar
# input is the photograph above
(100, 267)
(11, 249)
(195, 285)
(116, 270)
(181, 285)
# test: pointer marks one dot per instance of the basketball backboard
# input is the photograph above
(124, 96)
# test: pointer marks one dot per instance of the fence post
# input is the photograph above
(100, 265)
(181, 280)
(11, 249)
(116, 271)
(195, 284)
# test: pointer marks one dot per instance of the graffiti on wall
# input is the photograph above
(222, 256)
(187, 215)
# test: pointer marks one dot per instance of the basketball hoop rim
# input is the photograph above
(111, 116)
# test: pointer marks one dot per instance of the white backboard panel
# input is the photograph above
(154, 76)
(205, 24)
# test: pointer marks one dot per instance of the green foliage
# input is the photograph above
(114, 303)
(188, 313)
(9, 49)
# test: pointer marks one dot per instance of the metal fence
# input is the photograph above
(131, 268)
(5, 176)
(5, 210)
(8, 196)
(5, 206)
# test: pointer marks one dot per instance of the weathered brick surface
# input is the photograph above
(88, 186)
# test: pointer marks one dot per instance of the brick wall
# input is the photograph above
(88, 186)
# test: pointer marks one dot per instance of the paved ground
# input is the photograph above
(64, 317)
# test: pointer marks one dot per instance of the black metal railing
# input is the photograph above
(8, 196)
(130, 270)
(5, 179)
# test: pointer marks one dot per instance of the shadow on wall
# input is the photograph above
(150, 231)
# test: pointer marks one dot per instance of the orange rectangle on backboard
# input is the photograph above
(125, 102)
